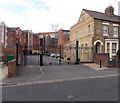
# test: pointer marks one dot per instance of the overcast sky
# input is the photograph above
(37, 15)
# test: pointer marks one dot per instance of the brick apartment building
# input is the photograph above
(15, 36)
(96, 32)
(63, 38)
(10, 37)
(28, 39)
(36, 43)
(3, 38)
(50, 42)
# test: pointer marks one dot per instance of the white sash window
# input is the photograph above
(115, 31)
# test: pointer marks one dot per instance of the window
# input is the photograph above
(2, 35)
(115, 31)
(105, 30)
(89, 29)
(114, 45)
(83, 17)
(86, 44)
(108, 47)
(82, 45)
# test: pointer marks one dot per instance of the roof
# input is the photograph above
(103, 16)
(13, 28)
(66, 30)
(25, 31)
(36, 34)
(47, 33)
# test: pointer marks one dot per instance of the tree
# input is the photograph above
(54, 27)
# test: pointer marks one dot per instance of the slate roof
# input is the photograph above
(36, 34)
(13, 28)
(103, 16)
(25, 31)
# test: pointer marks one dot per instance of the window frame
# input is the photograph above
(106, 34)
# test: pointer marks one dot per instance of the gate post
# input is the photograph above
(25, 54)
(41, 52)
(60, 56)
(77, 60)
(17, 41)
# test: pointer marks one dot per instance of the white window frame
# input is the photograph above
(115, 48)
(111, 41)
(115, 33)
(107, 30)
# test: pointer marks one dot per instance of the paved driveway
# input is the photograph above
(33, 73)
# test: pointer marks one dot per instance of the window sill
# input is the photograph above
(105, 35)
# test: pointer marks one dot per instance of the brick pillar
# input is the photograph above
(11, 68)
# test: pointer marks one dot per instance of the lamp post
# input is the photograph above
(25, 54)
(60, 56)
(41, 50)
(77, 45)
(17, 41)
(119, 47)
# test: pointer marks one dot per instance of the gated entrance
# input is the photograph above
(53, 55)
(26, 56)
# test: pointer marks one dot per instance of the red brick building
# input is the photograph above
(50, 42)
(36, 43)
(28, 39)
(64, 37)
(3, 38)
(15, 37)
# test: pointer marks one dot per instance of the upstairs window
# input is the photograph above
(115, 31)
(2, 41)
(83, 17)
(89, 31)
(105, 30)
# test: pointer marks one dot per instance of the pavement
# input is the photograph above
(95, 66)
(3, 70)
(61, 82)
(35, 73)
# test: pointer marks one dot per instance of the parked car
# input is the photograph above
(48, 54)
(53, 55)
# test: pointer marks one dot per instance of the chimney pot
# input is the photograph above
(109, 10)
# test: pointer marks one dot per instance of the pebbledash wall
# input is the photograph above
(89, 31)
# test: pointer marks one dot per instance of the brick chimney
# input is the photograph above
(109, 10)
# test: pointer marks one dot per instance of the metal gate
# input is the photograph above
(25, 56)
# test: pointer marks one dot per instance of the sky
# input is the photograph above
(38, 15)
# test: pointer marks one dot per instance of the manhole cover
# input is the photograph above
(70, 97)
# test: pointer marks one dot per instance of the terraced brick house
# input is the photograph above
(96, 32)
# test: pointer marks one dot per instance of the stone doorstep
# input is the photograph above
(95, 66)
(4, 72)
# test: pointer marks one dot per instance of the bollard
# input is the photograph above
(100, 63)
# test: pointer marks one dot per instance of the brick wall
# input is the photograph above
(11, 68)
(104, 57)
(8, 51)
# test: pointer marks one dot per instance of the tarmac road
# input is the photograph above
(91, 89)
